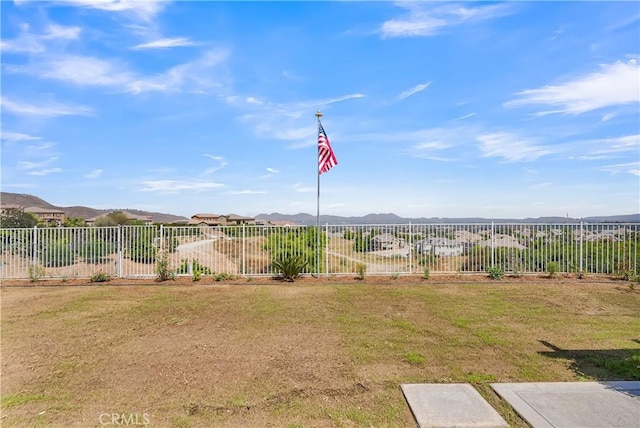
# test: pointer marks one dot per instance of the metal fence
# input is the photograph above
(249, 250)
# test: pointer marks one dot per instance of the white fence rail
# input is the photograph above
(248, 250)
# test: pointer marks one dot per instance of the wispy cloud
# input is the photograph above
(166, 43)
(270, 173)
(31, 43)
(423, 20)
(90, 71)
(510, 147)
(615, 84)
(178, 185)
(40, 168)
(629, 168)
(246, 192)
(47, 171)
(96, 173)
(17, 136)
(44, 109)
(418, 88)
(221, 163)
(298, 187)
(143, 10)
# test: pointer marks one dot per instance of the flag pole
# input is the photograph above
(318, 116)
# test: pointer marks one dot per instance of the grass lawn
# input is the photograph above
(297, 355)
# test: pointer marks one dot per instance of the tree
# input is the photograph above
(114, 218)
(15, 217)
(73, 222)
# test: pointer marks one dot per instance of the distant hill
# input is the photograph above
(25, 200)
(309, 220)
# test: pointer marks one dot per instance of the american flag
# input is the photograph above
(326, 158)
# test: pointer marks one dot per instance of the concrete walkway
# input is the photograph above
(542, 405)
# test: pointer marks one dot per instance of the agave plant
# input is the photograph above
(289, 266)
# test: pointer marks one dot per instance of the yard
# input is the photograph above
(312, 354)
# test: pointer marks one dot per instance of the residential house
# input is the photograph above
(440, 247)
(220, 220)
(47, 215)
(386, 241)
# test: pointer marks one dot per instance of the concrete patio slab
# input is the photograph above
(574, 404)
(450, 405)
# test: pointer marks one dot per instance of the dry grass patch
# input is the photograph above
(297, 355)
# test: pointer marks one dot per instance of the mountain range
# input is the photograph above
(26, 200)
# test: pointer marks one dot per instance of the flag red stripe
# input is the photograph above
(326, 157)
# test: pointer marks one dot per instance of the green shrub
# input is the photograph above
(100, 277)
(495, 272)
(223, 276)
(361, 269)
(36, 272)
(425, 273)
(195, 266)
(163, 271)
(552, 269)
(289, 268)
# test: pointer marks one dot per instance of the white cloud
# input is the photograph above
(94, 174)
(45, 171)
(413, 91)
(177, 185)
(629, 168)
(166, 43)
(221, 164)
(615, 84)
(270, 172)
(246, 192)
(511, 148)
(30, 43)
(90, 71)
(78, 70)
(298, 187)
(423, 21)
(17, 136)
(46, 109)
(28, 165)
(144, 10)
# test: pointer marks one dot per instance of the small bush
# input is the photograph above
(495, 272)
(163, 272)
(223, 276)
(361, 270)
(193, 267)
(100, 277)
(197, 276)
(552, 269)
(36, 272)
(289, 267)
(395, 276)
(425, 273)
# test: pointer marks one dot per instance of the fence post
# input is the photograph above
(326, 249)
(493, 246)
(244, 250)
(410, 253)
(581, 240)
(119, 251)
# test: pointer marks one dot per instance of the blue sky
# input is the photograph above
(444, 109)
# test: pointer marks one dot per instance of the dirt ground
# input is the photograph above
(233, 353)
(434, 279)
